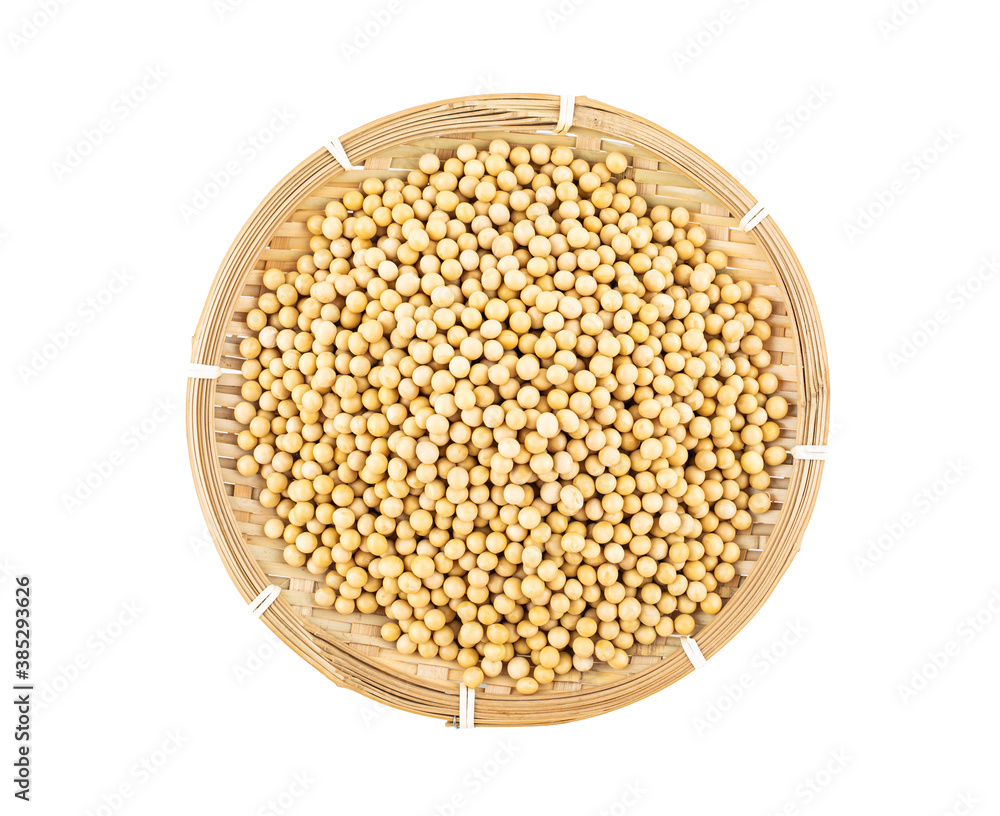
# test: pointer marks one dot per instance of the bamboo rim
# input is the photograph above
(431, 691)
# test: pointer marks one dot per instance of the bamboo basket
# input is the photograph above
(347, 648)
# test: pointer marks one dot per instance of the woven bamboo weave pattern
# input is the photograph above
(347, 648)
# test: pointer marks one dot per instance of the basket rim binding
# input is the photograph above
(526, 114)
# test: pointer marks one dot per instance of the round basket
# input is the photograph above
(667, 170)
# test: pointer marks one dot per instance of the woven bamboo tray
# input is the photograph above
(667, 170)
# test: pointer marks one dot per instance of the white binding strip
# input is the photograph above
(466, 707)
(201, 371)
(693, 651)
(337, 151)
(268, 595)
(566, 105)
(756, 214)
(810, 451)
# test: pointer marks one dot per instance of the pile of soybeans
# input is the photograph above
(512, 407)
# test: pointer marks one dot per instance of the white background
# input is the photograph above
(807, 710)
